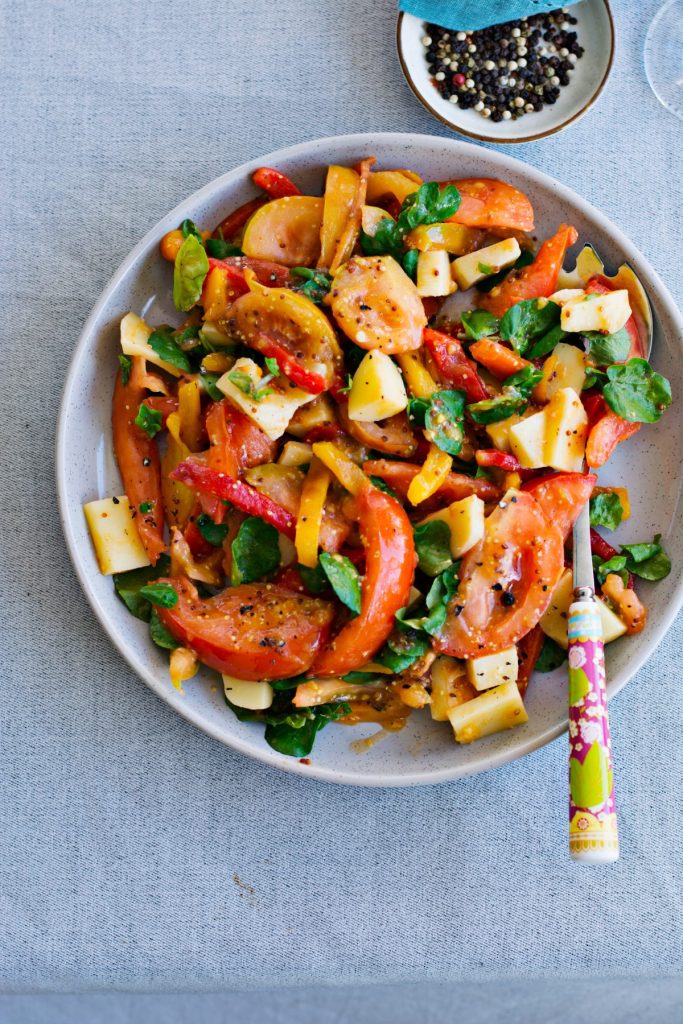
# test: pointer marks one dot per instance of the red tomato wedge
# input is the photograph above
(390, 567)
(489, 203)
(398, 475)
(253, 631)
(536, 281)
(455, 369)
(528, 651)
(137, 456)
(609, 431)
(562, 496)
(506, 580)
(599, 285)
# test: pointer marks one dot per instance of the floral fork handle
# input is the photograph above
(593, 835)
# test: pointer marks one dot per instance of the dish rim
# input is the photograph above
(365, 141)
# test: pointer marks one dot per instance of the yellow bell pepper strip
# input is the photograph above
(217, 362)
(215, 295)
(349, 235)
(178, 499)
(418, 379)
(310, 516)
(346, 471)
(190, 414)
(341, 188)
(433, 474)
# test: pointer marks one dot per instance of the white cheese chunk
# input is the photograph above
(246, 694)
(493, 669)
(475, 266)
(272, 412)
(114, 535)
(377, 390)
(592, 312)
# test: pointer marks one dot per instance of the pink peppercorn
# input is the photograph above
(458, 79)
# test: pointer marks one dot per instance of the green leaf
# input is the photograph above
(547, 343)
(403, 648)
(126, 364)
(188, 227)
(208, 381)
(593, 377)
(479, 323)
(387, 239)
(484, 268)
(381, 485)
(165, 346)
(128, 585)
(272, 366)
(159, 634)
(604, 349)
(344, 579)
(314, 580)
(296, 740)
(189, 272)
(523, 381)
(410, 261)
(551, 656)
(162, 594)
(528, 320)
(315, 283)
(149, 420)
(514, 397)
(444, 420)
(429, 623)
(430, 204)
(220, 250)
(635, 392)
(616, 565)
(433, 546)
(523, 260)
(255, 551)
(606, 510)
(417, 410)
(214, 533)
(430, 618)
(649, 561)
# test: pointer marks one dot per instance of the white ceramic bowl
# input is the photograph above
(650, 463)
(595, 34)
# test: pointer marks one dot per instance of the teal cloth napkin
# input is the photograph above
(477, 13)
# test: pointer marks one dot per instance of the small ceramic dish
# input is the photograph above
(652, 462)
(595, 30)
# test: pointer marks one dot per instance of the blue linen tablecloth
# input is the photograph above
(135, 852)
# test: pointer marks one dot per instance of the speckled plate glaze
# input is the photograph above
(650, 464)
(595, 30)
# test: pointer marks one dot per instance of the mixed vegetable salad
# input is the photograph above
(352, 468)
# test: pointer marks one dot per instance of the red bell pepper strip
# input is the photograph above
(609, 431)
(242, 496)
(390, 567)
(528, 652)
(276, 184)
(137, 456)
(595, 406)
(501, 460)
(236, 220)
(599, 285)
(289, 365)
(199, 547)
(453, 365)
(399, 476)
(536, 281)
(500, 361)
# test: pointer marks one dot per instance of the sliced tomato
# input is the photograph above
(276, 184)
(506, 580)
(609, 431)
(562, 496)
(398, 475)
(253, 631)
(455, 369)
(137, 456)
(599, 285)
(270, 274)
(390, 567)
(250, 444)
(499, 360)
(536, 281)
(489, 203)
(528, 652)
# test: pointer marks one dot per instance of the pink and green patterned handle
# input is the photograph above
(593, 834)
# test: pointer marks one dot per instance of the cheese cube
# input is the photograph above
(318, 413)
(246, 694)
(114, 535)
(271, 413)
(607, 313)
(566, 295)
(565, 367)
(434, 274)
(449, 687)
(500, 432)
(295, 453)
(490, 712)
(566, 431)
(465, 520)
(554, 622)
(527, 440)
(134, 342)
(493, 669)
(377, 391)
(475, 266)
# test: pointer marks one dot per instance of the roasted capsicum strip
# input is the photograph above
(276, 184)
(455, 369)
(538, 280)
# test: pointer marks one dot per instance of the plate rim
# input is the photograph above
(496, 140)
(368, 141)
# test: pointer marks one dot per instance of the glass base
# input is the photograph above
(664, 56)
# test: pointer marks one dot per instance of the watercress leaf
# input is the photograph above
(649, 561)
(220, 250)
(403, 648)
(166, 346)
(162, 594)
(189, 272)
(159, 634)
(149, 420)
(410, 263)
(551, 656)
(492, 410)
(547, 342)
(314, 580)
(430, 623)
(296, 739)
(287, 684)
(344, 579)
(594, 377)
(209, 383)
(214, 533)
(430, 204)
(450, 580)
(479, 323)
(606, 510)
(523, 381)
(528, 320)
(417, 410)
(636, 392)
(444, 420)
(605, 349)
(315, 284)
(616, 564)
(433, 546)
(126, 364)
(255, 551)
(386, 240)
(128, 585)
(523, 260)
(188, 227)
